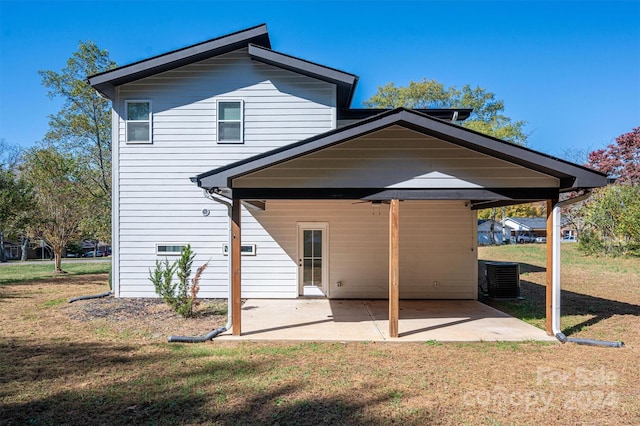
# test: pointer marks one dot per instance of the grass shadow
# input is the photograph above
(118, 384)
(572, 304)
(113, 383)
(278, 407)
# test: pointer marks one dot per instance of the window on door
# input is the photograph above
(312, 257)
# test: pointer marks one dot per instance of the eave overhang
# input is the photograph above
(455, 114)
(106, 82)
(345, 82)
(571, 177)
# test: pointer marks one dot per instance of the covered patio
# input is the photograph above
(398, 155)
(368, 320)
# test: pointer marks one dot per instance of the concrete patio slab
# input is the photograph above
(367, 320)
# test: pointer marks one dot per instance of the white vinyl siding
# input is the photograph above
(397, 157)
(154, 200)
(437, 244)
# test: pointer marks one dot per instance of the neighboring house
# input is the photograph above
(526, 229)
(523, 228)
(499, 236)
(231, 135)
(11, 249)
(93, 246)
(569, 232)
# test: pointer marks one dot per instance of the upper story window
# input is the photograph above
(230, 121)
(138, 121)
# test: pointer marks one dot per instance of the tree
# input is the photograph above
(487, 116)
(82, 129)
(15, 206)
(59, 204)
(537, 209)
(620, 160)
(612, 215)
(15, 196)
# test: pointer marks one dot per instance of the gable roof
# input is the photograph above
(105, 82)
(484, 225)
(571, 176)
(255, 39)
(529, 223)
(533, 223)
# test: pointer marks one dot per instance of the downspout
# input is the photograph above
(213, 333)
(95, 296)
(555, 279)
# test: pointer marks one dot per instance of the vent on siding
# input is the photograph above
(503, 279)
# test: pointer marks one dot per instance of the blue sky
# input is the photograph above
(570, 69)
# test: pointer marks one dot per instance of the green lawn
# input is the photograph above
(31, 271)
(571, 257)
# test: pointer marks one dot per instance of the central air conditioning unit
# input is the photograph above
(503, 280)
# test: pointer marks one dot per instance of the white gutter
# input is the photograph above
(227, 202)
(555, 277)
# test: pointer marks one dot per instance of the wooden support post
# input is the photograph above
(235, 253)
(394, 267)
(549, 275)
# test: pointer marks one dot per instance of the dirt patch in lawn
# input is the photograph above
(151, 318)
(106, 361)
(107, 317)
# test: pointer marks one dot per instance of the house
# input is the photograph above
(500, 235)
(257, 159)
(91, 247)
(525, 229)
(11, 249)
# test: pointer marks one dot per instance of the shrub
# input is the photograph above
(613, 217)
(589, 243)
(178, 294)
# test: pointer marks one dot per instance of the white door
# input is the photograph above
(313, 259)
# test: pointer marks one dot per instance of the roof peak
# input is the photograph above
(106, 81)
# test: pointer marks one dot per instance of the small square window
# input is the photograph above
(169, 249)
(245, 249)
(138, 121)
(230, 121)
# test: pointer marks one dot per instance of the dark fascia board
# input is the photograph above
(572, 176)
(345, 82)
(441, 113)
(105, 82)
(508, 195)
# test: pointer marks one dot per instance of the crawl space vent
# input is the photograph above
(503, 279)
